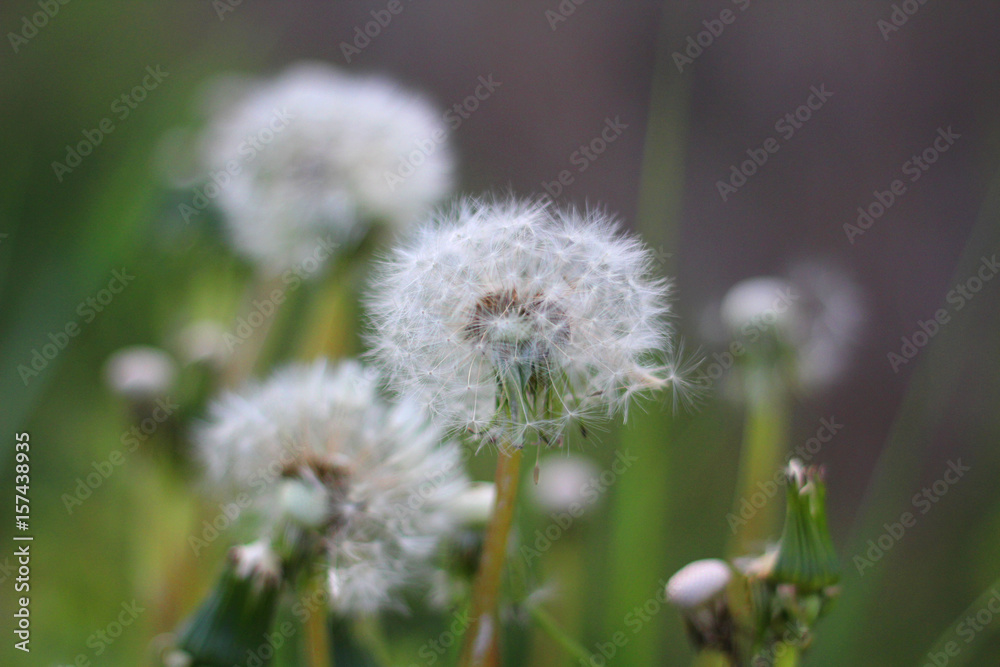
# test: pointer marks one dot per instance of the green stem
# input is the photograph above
(789, 657)
(711, 659)
(546, 623)
(763, 450)
(481, 645)
(241, 363)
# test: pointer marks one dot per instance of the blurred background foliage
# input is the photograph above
(62, 240)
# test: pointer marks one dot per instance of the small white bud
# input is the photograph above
(202, 342)
(698, 583)
(564, 482)
(474, 506)
(140, 372)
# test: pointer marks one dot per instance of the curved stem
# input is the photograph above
(481, 645)
(548, 624)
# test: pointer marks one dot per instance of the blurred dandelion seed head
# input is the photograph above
(318, 445)
(317, 153)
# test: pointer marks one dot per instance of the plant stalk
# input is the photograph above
(481, 644)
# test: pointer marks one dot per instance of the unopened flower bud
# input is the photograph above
(699, 591)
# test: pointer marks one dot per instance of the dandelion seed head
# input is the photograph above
(319, 436)
(510, 317)
(323, 153)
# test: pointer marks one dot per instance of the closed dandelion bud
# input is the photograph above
(806, 557)
(698, 590)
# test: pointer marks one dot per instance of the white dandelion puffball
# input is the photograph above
(318, 446)
(511, 319)
(316, 155)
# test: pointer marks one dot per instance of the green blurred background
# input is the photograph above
(561, 80)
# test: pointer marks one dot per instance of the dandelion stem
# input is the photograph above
(764, 446)
(244, 358)
(546, 623)
(481, 646)
(787, 658)
(712, 659)
(317, 639)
